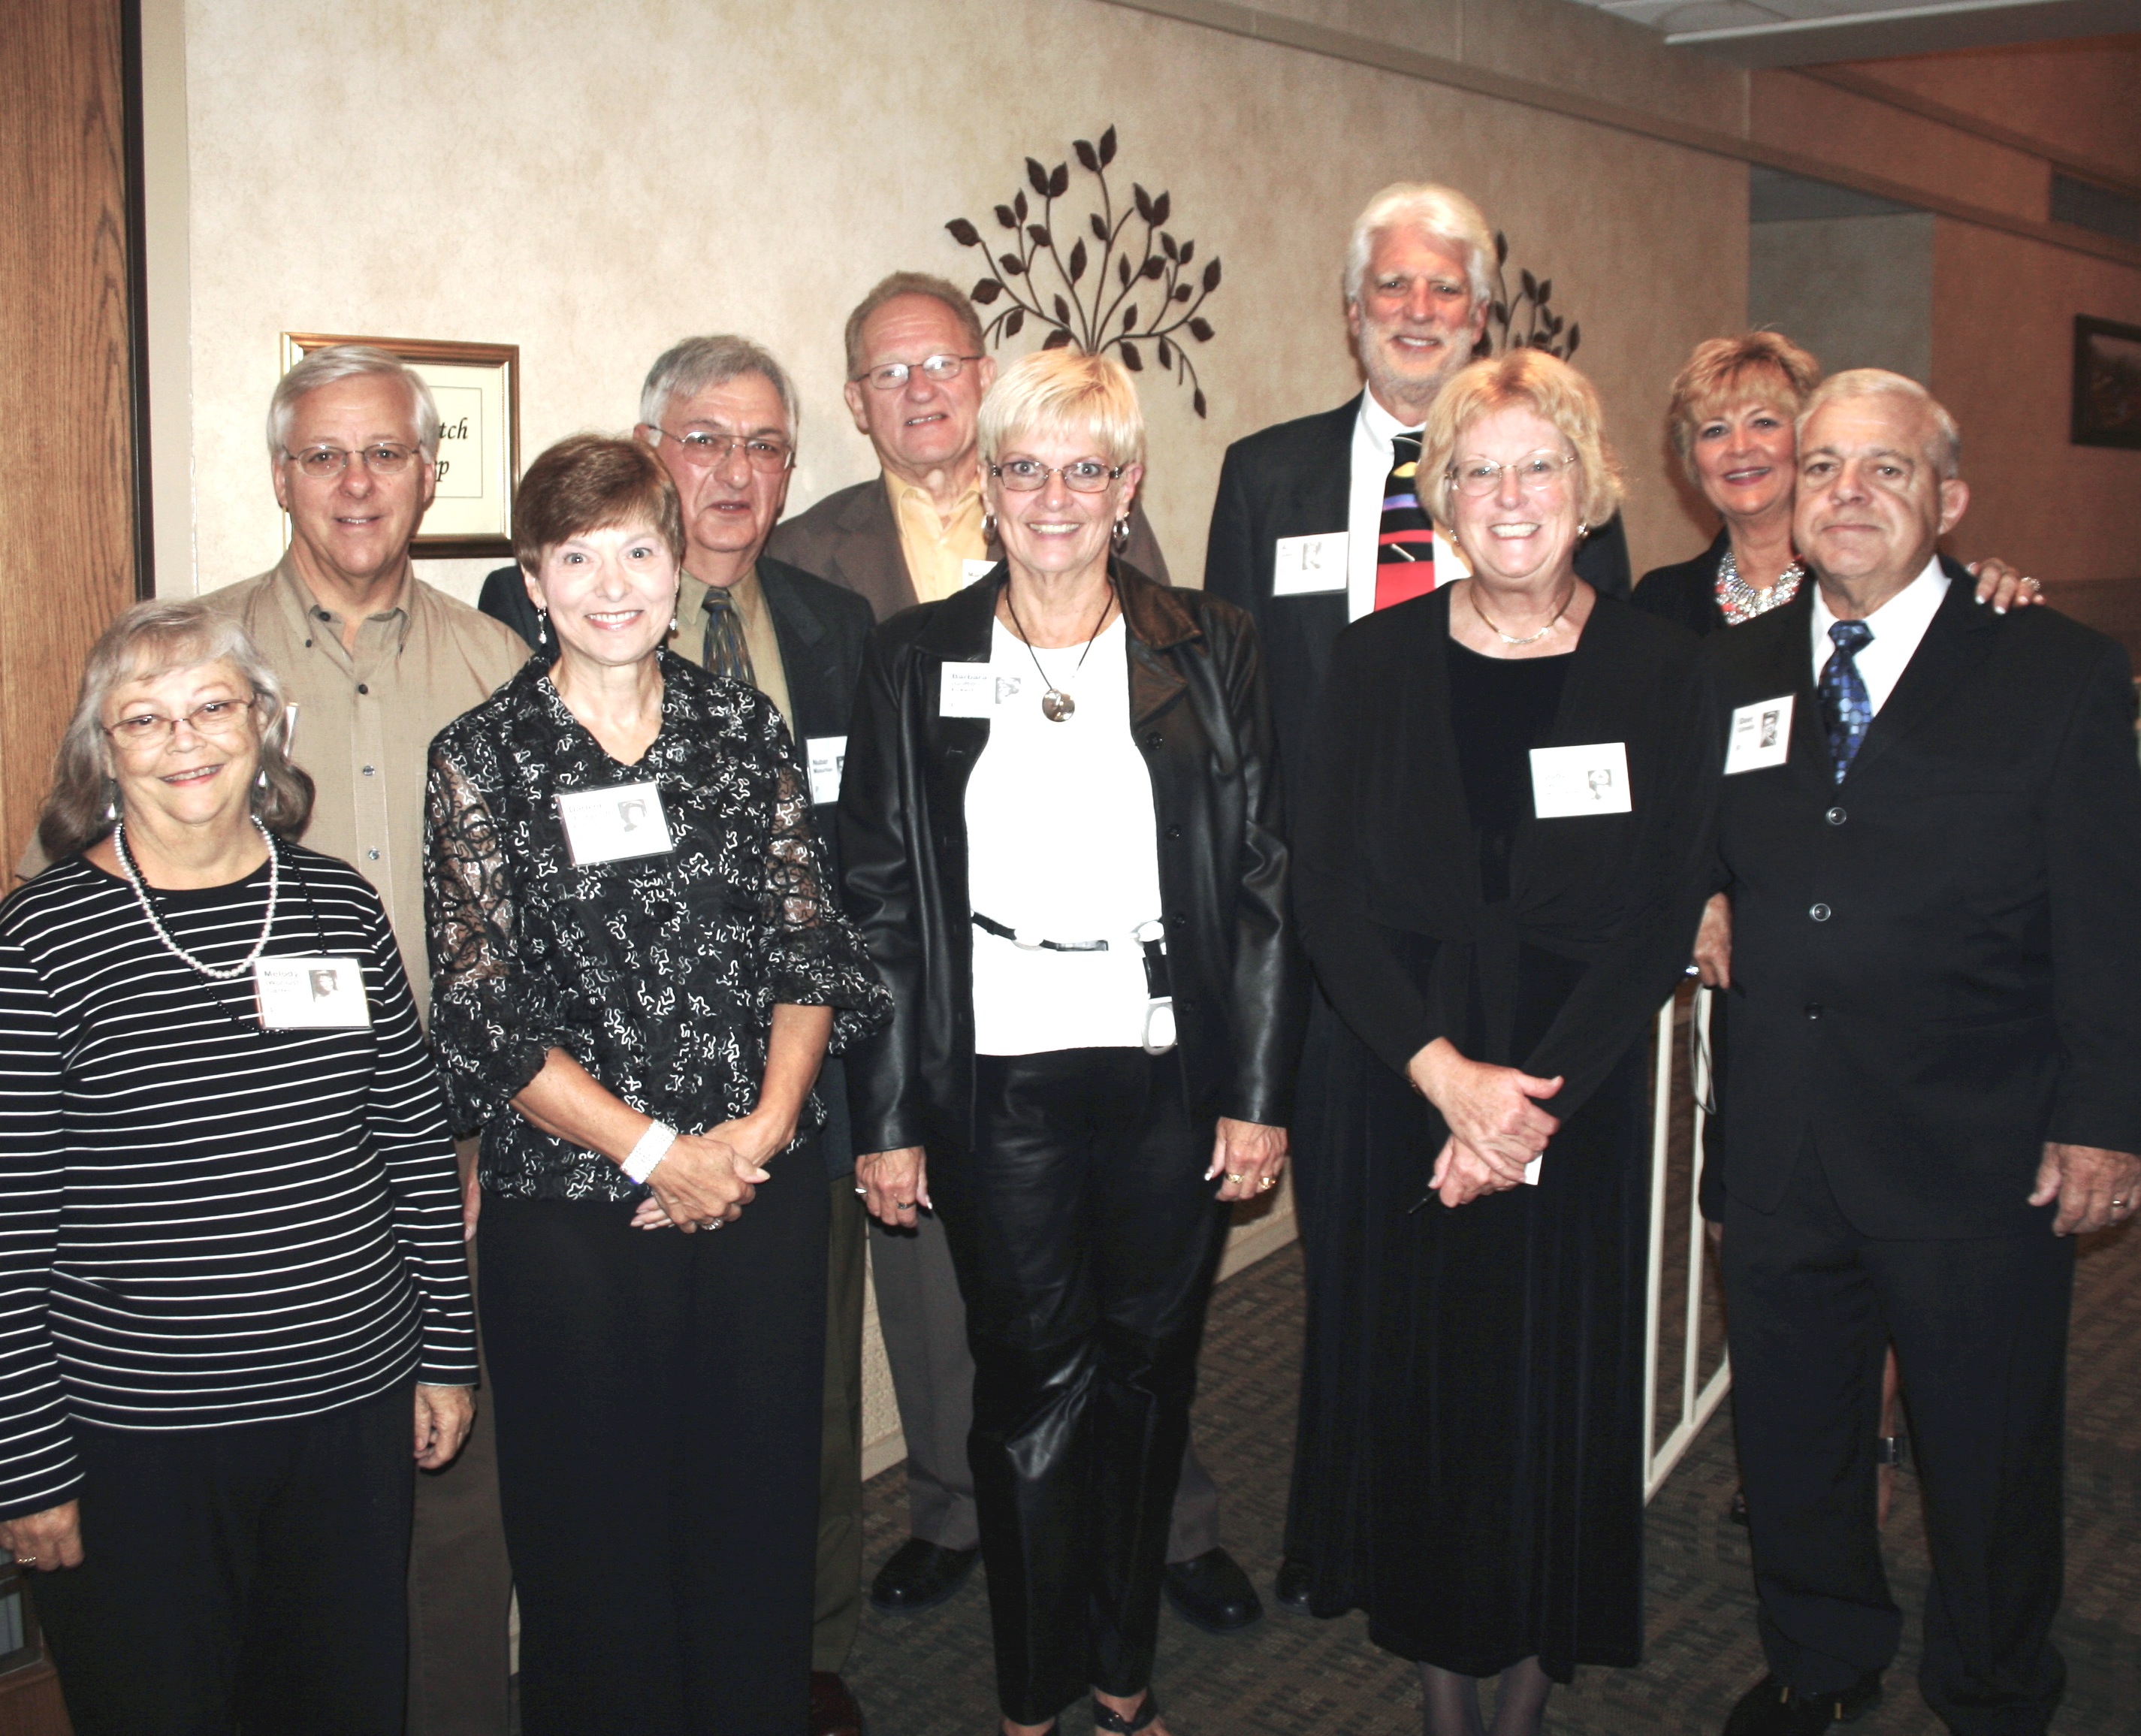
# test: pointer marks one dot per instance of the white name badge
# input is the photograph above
(1568, 781)
(1761, 735)
(826, 756)
(614, 824)
(1531, 1170)
(1309, 566)
(970, 570)
(311, 994)
(976, 690)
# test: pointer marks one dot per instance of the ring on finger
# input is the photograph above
(1267, 1184)
(904, 1205)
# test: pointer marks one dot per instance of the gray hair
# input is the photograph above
(349, 361)
(1945, 449)
(697, 363)
(911, 283)
(1443, 213)
(152, 639)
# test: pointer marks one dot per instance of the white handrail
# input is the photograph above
(1699, 1399)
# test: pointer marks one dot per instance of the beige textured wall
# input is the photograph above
(1856, 290)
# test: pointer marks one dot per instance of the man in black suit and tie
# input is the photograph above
(917, 374)
(1316, 524)
(1933, 851)
(719, 412)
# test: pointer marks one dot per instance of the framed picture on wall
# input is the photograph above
(477, 388)
(2106, 383)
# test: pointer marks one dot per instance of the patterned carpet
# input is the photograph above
(930, 1675)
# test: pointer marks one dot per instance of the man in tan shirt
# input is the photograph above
(375, 663)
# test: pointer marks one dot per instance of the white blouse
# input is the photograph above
(1062, 845)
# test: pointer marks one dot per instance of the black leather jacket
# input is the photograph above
(1198, 707)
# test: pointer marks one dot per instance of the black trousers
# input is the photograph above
(1085, 1238)
(1980, 1328)
(249, 1576)
(660, 1401)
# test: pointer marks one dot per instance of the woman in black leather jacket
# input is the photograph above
(1062, 837)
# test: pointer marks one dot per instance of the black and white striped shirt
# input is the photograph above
(202, 1223)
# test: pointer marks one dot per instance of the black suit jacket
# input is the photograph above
(1934, 962)
(852, 538)
(1294, 479)
(1686, 593)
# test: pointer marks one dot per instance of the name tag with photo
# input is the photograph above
(976, 690)
(616, 825)
(827, 756)
(311, 994)
(1309, 566)
(1569, 781)
(1761, 735)
(972, 572)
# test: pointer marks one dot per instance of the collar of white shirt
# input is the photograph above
(1898, 625)
(1374, 430)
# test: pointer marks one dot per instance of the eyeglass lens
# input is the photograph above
(322, 462)
(893, 375)
(1022, 475)
(760, 451)
(1476, 476)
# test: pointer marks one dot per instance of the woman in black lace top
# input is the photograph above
(638, 965)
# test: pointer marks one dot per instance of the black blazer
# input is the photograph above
(1294, 479)
(1686, 593)
(1386, 876)
(1934, 962)
(1198, 710)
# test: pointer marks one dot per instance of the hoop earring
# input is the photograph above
(1119, 538)
(988, 526)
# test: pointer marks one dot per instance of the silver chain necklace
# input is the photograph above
(217, 972)
(1743, 602)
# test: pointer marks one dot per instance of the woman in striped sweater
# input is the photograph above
(230, 1252)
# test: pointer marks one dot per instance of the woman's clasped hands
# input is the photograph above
(706, 1179)
(1496, 1124)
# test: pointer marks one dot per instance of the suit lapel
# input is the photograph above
(1957, 639)
(801, 637)
(871, 557)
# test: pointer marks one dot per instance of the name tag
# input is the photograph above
(1309, 566)
(970, 570)
(1761, 735)
(311, 994)
(1531, 1170)
(1568, 781)
(826, 755)
(976, 690)
(614, 824)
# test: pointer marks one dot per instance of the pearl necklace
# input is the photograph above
(218, 973)
(1743, 602)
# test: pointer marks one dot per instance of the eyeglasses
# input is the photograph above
(893, 375)
(1023, 475)
(1535, 474)
(764, 453)
(322, 463)
(219, 717)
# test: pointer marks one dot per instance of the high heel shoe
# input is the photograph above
(1115, 1724)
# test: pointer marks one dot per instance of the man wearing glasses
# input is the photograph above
(375, 662)
(916, 375)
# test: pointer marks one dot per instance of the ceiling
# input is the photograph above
(1807, 33)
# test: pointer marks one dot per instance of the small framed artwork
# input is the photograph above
(477, 388)
(2106, 383)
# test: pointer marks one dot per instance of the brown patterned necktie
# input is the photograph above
(725, 653)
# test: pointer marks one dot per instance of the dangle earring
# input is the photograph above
(1582, 530)
(673, 625)
(988, 526)
(1119, 538)
(261, 782)
(542, 626)
(112, 799)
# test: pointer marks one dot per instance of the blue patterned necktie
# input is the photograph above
(725, 651)
(1844, 706)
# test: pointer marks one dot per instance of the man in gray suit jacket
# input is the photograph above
(917, 374)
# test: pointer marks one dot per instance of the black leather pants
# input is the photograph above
(1085, 1237)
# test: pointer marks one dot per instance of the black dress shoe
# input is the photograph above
(1211, 1591)
(919, 1577)
(1770, 1709)
(833, 1709)
(1296, 1578)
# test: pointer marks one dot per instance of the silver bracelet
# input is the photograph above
(652, 1148)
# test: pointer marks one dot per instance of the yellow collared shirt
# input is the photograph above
(936, 549)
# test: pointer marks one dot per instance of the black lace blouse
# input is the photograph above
(658, 974)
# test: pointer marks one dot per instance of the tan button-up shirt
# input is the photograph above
(365, 721)
(689, 641)
(935, 547)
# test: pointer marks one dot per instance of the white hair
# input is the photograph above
(349, 361)
(696, 363)
(1945, 449)
(1443, 214)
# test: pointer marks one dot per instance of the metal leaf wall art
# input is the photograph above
(1099, 284)
(1525, 321)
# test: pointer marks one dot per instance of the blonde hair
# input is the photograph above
(1068, 392)
(1441, 212)
(1529, 380)
(149, 640)
(1944, 448)
(1755, 367)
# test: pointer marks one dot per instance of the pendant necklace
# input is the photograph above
(1056, 705)
(1532, 639)
(1738, 601)
(216, 972)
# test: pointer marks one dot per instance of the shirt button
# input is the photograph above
(1155, 740)
(373, 854)
(1819, 912)
(367, 771)
(1836, 816)
(1813, 1009)
(1174, 832)
(362, 688)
